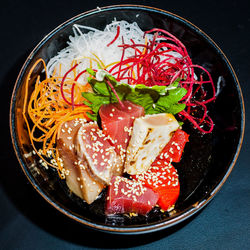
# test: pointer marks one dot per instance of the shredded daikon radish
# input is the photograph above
(90, 49)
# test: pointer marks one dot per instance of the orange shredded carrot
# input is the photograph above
(46, 111)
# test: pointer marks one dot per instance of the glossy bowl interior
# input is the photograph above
(207, 160)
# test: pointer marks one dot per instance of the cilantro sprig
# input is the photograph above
(155, 99)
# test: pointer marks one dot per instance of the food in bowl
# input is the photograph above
(108, 110)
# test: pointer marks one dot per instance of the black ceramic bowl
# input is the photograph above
(208, 159)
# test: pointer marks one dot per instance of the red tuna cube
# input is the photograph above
(117, 122)
(129, 196)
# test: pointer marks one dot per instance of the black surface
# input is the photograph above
(223, 224)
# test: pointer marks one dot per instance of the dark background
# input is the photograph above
(28, 222)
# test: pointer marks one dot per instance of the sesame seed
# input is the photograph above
(82, 166)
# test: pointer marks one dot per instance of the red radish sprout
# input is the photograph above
(116, 36)
(165, 59)
(62, 82)
(72, 88)
(112, 88)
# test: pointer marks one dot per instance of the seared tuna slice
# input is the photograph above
(78, 178)
(93, 147)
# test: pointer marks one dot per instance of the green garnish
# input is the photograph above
(156, 99)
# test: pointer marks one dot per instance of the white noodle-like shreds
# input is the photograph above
(93, 44)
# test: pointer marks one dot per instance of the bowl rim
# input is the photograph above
(151, 227)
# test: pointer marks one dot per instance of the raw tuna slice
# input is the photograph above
(173, 150)
(133, 110)
(78, 178)
(117, 122)
(93, 147)
(163, 179)
(113, 120)
(127, 196)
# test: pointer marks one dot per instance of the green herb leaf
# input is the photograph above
(101, 88)
(123, 90)
(155, 99)
(95, 101)
(93, 116)
(143, 100)
(176, 108)
(91, 71)
(175, 95)
(158, 89)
